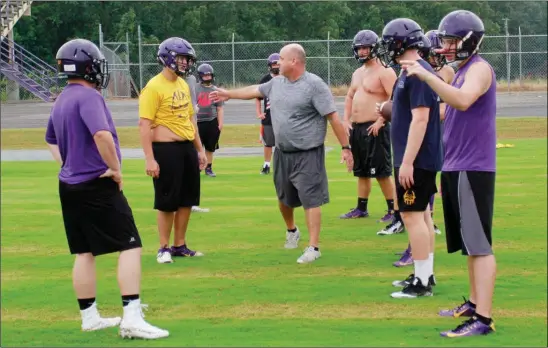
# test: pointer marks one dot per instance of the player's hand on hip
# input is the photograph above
(346, 156)
(347, 127)
(202, 159)
(115, 175)
(374, 128)
(414, 68)
(218, 95)
(406, 176)
(152, 168)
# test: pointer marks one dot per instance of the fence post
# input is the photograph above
(140, 58)
(233, 64)
(520, 54)
(328, 59)
(128, 67)
(507, 54)
(103, 91)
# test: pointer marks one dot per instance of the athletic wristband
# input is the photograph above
(347, 147)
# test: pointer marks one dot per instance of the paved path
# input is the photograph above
(44, 155)
(124, 112)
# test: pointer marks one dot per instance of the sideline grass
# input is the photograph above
(248, 135)
(248, 290)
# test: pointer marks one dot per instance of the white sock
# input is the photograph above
(430, 264)
(421, 271)
(266, 164)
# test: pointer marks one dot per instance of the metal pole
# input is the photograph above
(328, 59)
(103, 91)
(128, 67)
(507, 54)
(233, 63)
(520, 71)
(140, 58)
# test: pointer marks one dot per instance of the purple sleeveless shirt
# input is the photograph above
(470, 137)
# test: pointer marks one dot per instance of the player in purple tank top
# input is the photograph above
(468, 174)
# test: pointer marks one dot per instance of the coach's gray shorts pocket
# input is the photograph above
(300, 178)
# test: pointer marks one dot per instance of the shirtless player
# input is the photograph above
(371, 83)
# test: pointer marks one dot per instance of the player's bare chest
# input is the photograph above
(370, 83)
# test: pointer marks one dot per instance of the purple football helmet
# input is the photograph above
(205, 69)
(171, 48)
(80, 58)
(436, 59)
(365, 38)
(424, 50)
(465, 26)
(274, 58)
(398, 36)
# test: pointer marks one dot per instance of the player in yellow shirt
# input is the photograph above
(174, 154)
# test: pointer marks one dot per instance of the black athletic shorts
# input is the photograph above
(468, 200)
(300, 178)
(97, 218)
(267, 135)
(209, 134)
(417, 197)
(372, 154)
(178, 185)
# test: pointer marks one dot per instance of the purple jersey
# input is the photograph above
(470, 137)
(78, 113)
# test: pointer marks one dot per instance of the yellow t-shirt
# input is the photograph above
(168, 103)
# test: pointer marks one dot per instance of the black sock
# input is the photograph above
(292, 230)
(316, 248)
(209, 165)
(390, 204)
(483, 319)
(362, 204)
(397, 216)
(128, 298)
(85, 303)
(473, 305)
(180, 246)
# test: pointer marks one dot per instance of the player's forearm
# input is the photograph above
(220, 115)
(146, 140)
(197, 141)
(54, 149)
(338, 129)
(442, 111)
(417, 129)
(107, 149)
(347, 108)
(245, 93)
(258, 110)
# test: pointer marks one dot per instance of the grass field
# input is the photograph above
(249, 291)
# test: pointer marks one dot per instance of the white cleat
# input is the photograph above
(92, 321)
(134, 326)
(164, 256)
(196, 209)
(309, 255)
(292, 239)
(437, 229)
(393, 228)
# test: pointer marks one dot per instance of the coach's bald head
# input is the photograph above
(292, 61)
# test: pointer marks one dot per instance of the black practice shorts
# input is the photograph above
(372, 154)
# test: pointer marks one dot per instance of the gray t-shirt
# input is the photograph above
(207, 110)
(298, 111)
(191, 81)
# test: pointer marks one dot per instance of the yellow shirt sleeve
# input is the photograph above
(149, 102)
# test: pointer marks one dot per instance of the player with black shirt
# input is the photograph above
(267, 133)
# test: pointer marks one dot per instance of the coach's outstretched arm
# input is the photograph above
(250, 92)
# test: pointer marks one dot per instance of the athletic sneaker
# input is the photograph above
(408, 280)
(388, 217)
(355, 214)
(405, 260)
(265, 170)
(92, 321)
(196, 209)
(463, 310)
(436, 229)
(309, 255)
(134, 326)
(209, 172)
(393, 228)
(164, 255)
(184, 251)
(292, 239)
(413, 290)
(471, 327)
